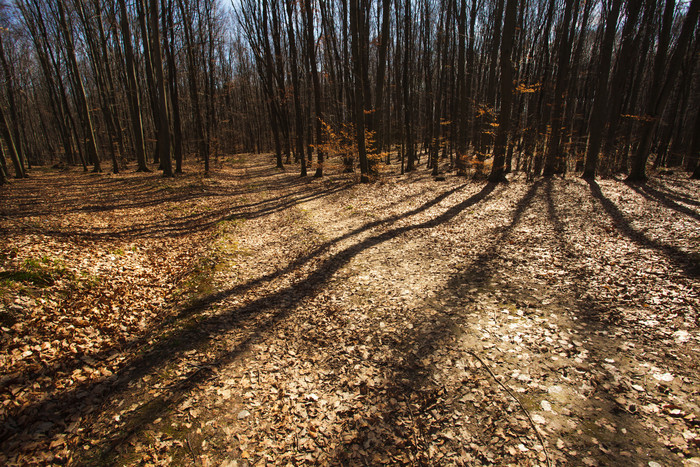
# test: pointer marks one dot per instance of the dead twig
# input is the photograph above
(527, 413)
(189, 447)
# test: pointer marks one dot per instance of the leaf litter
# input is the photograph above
(253, 317)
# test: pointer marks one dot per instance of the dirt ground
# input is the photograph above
(253, 317)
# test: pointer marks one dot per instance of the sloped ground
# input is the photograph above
(254, 317)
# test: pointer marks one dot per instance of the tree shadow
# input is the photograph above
(148, 191)
(675, 194)
(409, 380)
(595, 324)
(590, 310)
(201, 304)
(688, 263)
(652, 194)
(256, 316)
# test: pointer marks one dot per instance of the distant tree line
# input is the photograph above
(481, 87)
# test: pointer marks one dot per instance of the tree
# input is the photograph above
(499, 151)
(554, 162)
(163, 120)
(597, 121)
(296, 85)
(357, 20)
(664, 75)
(78, 88)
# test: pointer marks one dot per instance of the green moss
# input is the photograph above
(222, 253)
(41, 272)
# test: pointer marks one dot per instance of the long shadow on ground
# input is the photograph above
(115, 195)
(171, 347)
(595, 320)
(690, 264)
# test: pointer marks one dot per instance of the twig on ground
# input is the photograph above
(527, 413)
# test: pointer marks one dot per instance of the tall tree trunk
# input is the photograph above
(164, 143)
(661, 88)
(356, 19)
(407, 84)
(79, 90)
(9, 141)
(380, 116)
(98, 66)
(597, 121)
(192, 67)
(14, 114)
(296, 89)
(555, 159)
(316, 84)
(461, 101)
(133, 93)
(501, 141)
(491, 84)
(169, 47)
(628, 52)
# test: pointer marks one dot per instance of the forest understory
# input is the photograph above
(254, 317)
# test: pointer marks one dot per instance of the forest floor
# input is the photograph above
(253, 317)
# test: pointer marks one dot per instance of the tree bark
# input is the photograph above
(597, 121)
(501, 140)
(554, 159)
(133, 93)
(164, 143)
(661, 88)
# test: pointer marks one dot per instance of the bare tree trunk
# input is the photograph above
(79, 90)
(628, 52)
(14, 114)
(202, 139)
(133, 93)
(356, 19)
(661, 88)
(163, 113)
(311, 54)
(9, 141)
(296, 90)
(554, 162)
(501, 141)
(169, 47)
(601, 95)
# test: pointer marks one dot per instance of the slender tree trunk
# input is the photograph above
(461, 104)
(192, 67)
(555, 160)
(169, 47)
(10, 142)
(501, 141)
(407, 81)
(163, 113)
(133, 93)
(380, 116)
(296, 89)
(311, 53)
(357, 18)
(597, 122)
(661, 88)
(628, 52)
(14, 114)
(79, 90)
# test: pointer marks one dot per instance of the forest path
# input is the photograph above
(350, 324)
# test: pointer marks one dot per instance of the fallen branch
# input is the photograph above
(527, 413)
